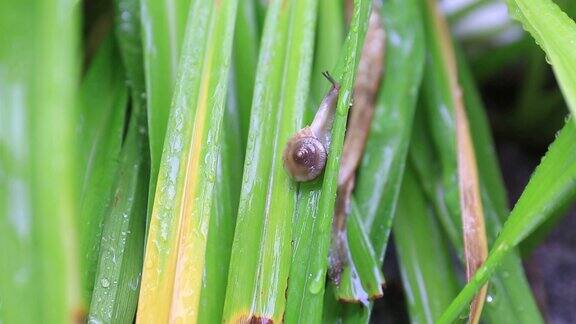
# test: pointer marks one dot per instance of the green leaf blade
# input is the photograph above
(163, 24)
(261, 251)
(550, 186)
(555, 32)
(103, 102)
(425, 264)
(38, 83)
(313, 220)
(177, 240)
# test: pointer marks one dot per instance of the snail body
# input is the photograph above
(306, 152)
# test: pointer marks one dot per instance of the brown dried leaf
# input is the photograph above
(367, 82)
(475, 246)
(365, 89)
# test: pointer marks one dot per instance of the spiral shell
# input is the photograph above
(304, 156)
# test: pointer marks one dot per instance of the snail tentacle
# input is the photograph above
(322, 123)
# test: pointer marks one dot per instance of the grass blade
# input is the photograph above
(510, 293)
(541, 233)
(176, 246)
(228, 178)
(38, 81)
(119, 268)
(367, 84)
(261, 250)
(222, 219)
(510, 286)
(128, 33)
(485, 152)
(387, 145)
(121, 248)
(245, 57)
(362, 278)
(329, 38)
(509, 290)
(472, 214)
(425, 264)
(163, 24)
(103, 101)
(389, 137)
(447, 97)
(313, 218)
(549, 186)
(475, 246)
(555, 32)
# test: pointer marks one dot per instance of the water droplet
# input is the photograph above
(94, 320)
(316, 284)
(463, 316)
(105, 282)
(133, 284)
(210, 175)
(489, 299)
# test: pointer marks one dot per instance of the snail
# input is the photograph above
(306, 152)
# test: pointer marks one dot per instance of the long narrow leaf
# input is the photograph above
(390, 131)
(362, 259)
(261, 252)
(445, 195)
(382, 168)
(245, 56)
(227, 189)
(509, 291)
(510, 294)
(313, 218)
(329, 38)
(470, 204)
(163, 23)
(549, 186)
(176, 246)
(103, 103)
(230, 165)
(555, 32)
(222, 219)
(40, 273)
(362, 278)
(427, 274)
(121, 250)
(119, 267)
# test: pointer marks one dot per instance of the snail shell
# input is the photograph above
(306, 152)
(304, 156)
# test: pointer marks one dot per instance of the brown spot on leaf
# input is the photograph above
(250, 319)
(79, 316)
(349, 300)
(259, 320)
